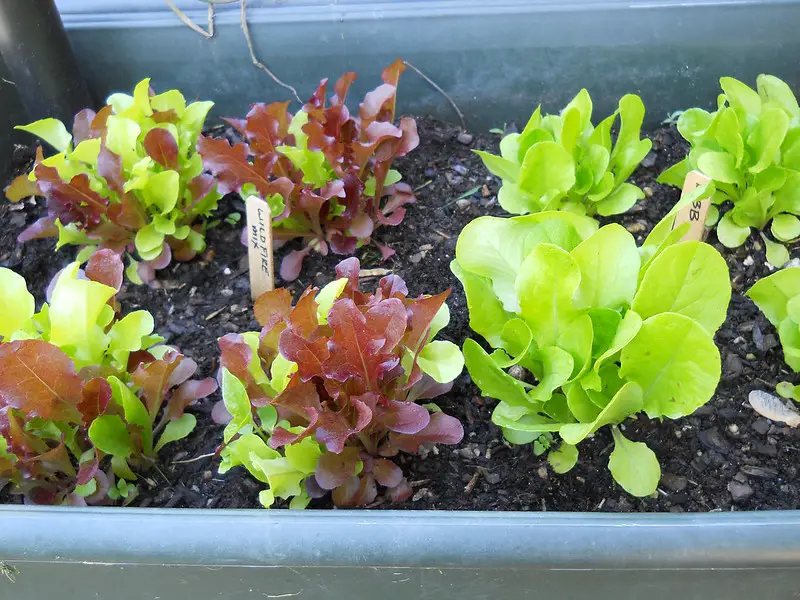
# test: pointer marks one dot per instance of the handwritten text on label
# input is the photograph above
(259, 238)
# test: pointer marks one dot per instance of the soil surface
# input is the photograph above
(723, 457)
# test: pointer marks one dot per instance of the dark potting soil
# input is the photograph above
(723, 457)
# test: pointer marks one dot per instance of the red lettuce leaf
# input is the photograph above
(162, 147)
(40, 380)
(187, 393)
(95, 399)
(442, 429)
(356, 491)
(82, 126)
(154, 380)
(235, 355)
(362, 344)
(73, 200)
(105, 266)
(335, 469)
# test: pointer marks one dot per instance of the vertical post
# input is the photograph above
(37, 53)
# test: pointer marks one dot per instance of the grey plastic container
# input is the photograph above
(133, 554)
(497, 59)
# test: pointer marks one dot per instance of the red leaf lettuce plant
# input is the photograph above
(327, 392)
(326, 173)
(128, 178)
(79, 383)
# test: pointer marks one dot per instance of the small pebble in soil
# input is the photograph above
(748, 262)
(492, 478)
(739, 491)
(649, 160)
(760, 426)
(464, 203)
(760, 472)
(465, 138)
(674, 483)
(733, 365)
(421, 493)
(636, 227)
(763, 342)
(453, 179)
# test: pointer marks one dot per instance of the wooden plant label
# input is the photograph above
(694, 213)
(773, 408)
(259, 246)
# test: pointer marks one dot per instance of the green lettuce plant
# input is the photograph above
(127, 178)
(778, 297)
(328, 392)
(587, 330)
(563, 162)
(81, 386)
(750, 147)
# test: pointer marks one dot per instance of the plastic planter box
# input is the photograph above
(395, 555)
(496, 59)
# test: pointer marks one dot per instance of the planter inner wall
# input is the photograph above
(496, 59)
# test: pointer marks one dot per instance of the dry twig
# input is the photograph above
(245, 29)
(441, 91)
(191, 24)
(255, 60)
(472, 482)
(195, 459)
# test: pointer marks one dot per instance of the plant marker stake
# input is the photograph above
(694, 213)
(259, 246)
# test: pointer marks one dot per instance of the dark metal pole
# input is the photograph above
(37, 53)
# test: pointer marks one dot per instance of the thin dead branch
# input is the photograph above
(191, 24)
(208, 34)
(441, 91)
(254, 58)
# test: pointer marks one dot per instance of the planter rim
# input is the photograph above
(82, 14)
(209, 537)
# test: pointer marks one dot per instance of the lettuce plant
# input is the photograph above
(778, 297)
(325, 172)
(588, 330)
(750, 147)
(327, 392)
(128, 178)
(563, 162)
(78, 383)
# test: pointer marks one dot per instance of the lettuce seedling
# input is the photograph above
(325, 172)
(327, 392)
(128, 178)
(78, 382)
(563, 162)
(778, 297)
(588, 330)
(750, 147)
